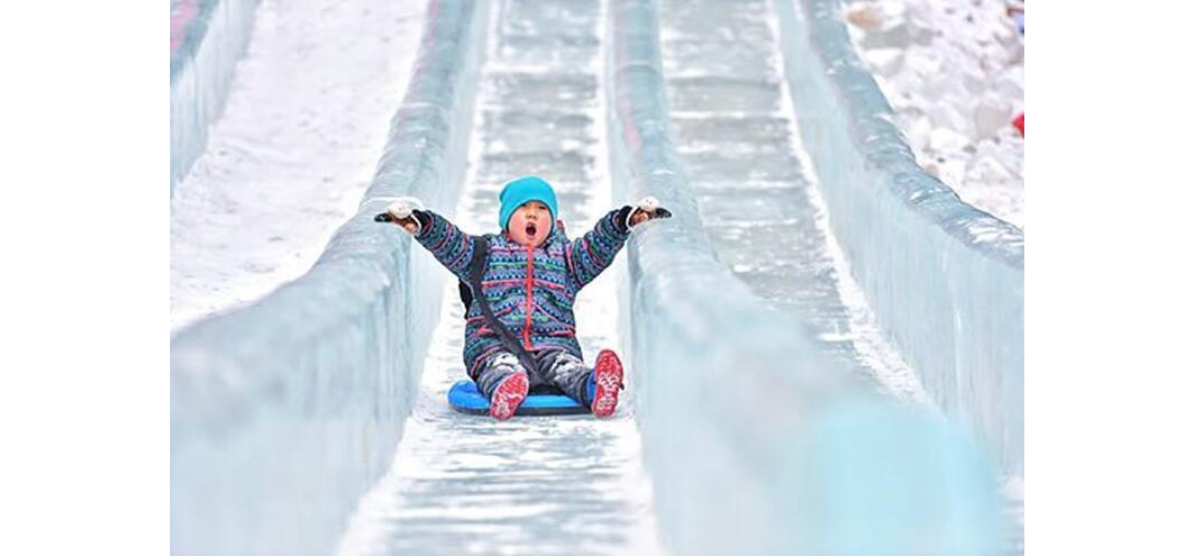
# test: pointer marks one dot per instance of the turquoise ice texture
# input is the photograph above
(201, 72)
(285, 412)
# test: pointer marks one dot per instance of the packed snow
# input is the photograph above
(954, 74)
(306, 120)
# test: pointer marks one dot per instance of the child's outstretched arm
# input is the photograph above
(451, 247)
(592, 253)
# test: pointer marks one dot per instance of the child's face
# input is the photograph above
(530, 224)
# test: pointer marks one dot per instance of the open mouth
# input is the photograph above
(531, 229)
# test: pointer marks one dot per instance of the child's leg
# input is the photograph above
(607, 382)
(568, 373)
(496, 368)
(503, 380)
(595, 388)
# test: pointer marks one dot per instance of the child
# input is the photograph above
(529, 276)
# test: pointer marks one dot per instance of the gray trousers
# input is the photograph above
(559, 370)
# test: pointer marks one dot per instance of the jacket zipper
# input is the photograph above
(526, 331)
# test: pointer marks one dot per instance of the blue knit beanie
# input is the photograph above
(523, 190)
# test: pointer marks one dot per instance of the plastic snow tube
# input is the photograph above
(465, 398)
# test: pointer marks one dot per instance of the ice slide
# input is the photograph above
(756, 419)
(207, 37)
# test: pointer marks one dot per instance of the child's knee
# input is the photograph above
(567, 366)
(506, 361)
(496, 369)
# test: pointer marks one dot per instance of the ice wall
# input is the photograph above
(756, 442)
(207, 37)
(285, 412)
(946, 281)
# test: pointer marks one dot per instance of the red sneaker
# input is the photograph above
(607, 376)
(508, 396)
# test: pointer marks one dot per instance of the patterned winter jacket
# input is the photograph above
(530, 291)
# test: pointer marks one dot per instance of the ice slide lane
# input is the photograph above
(737, 137)
(464, 484)
(737, 134)
(945, 280)
(206, 39)
(804, 452)
(284, 413)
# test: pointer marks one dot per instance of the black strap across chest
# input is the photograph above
(476, 272)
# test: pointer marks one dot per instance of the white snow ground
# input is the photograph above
(953, 72)
(305, 124)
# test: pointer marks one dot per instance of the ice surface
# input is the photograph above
(285, 412)
(757, 197)
(945, 280)
(463, 484)
(207, 37)
(758, 443)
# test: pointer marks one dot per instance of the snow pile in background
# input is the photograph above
(954, 74)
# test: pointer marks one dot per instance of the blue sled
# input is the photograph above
(465, 398)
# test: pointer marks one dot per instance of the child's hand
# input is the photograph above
(409, 224)
(648, 209)
(401, 213)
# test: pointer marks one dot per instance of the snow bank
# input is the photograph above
(756, 442)
(207, 37)
(292, 155)
(285, 412)
(946, 280)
